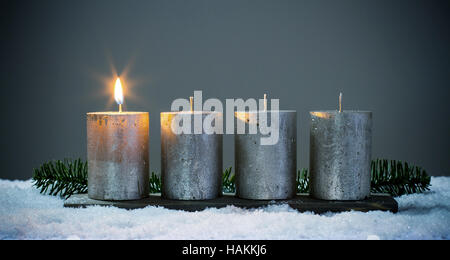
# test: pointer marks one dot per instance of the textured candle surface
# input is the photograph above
(340, 154)
(266, 172)
(117, 149)
(191, 164)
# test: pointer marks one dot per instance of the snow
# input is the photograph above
(26, 214)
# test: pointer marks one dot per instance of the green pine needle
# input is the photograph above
(397, 178)
(65, 178)
(155, 183)
(228, 181)
(62, 178)
(303, 181)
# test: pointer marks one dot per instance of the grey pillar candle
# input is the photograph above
(340, 154)
(266, 172)
(117, 152)
(191, 164)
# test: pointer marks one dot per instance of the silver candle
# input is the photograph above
(191, 164)
(266, 172)
(117, 152)
(340, 154)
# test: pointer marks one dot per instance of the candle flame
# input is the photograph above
(118, 92)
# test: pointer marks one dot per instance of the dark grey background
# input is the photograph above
(388, 56)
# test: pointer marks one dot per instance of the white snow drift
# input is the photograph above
(26, 214)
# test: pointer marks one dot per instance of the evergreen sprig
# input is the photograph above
(397, 178)
(303, 181)
(228, 181)
(155, 183)
(67, 177)
(62, 178)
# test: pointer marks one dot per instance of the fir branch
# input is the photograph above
(155, 183)
(303, 181)
(62, 178)
(397, 178)
(228, 180)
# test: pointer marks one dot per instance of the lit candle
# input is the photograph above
(266, 172)
(340, 154)
(191, 163)
(117, 151)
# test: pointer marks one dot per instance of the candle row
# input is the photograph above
(191, 164)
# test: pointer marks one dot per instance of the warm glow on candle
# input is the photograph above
(118, 92)
(321, 114)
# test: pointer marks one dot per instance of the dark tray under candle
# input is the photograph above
(301, 202)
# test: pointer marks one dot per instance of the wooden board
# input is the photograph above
(302, 203)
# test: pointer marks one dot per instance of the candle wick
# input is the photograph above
(191, 101)
(120, 108)
(265, 102)
(340, 102)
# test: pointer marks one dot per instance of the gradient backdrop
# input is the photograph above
(388, 56)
